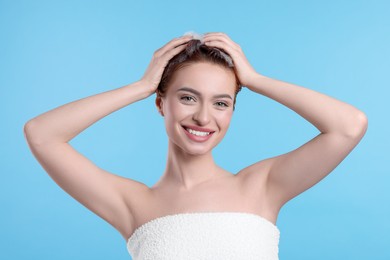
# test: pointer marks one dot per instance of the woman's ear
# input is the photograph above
(159, 105)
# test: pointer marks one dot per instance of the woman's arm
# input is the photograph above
(65, 122)
(112, 197)
(108, 195)
(342, 126)
(327, 114)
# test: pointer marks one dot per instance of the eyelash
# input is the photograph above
(185, 99)
(224, 104)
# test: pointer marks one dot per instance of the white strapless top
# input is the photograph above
(205, 236)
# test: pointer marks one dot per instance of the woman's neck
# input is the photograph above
(185, 171)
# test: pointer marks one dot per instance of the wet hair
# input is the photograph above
(196, 52)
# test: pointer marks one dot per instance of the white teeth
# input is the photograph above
(198, 133)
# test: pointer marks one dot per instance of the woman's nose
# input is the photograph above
(201, 115)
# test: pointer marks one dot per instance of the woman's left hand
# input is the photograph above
(245, 72)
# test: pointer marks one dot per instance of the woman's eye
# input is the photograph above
(187, 98)
(222, 104)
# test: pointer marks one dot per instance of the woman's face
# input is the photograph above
(198, 106)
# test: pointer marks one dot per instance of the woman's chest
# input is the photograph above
(228, 196)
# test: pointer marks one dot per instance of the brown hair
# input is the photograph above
(195, 52)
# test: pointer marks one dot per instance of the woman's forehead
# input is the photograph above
(204, 77)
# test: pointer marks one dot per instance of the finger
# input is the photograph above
(222, 43)
(216, 34)
(170, 53)
(223, 39)
(176, 42)
(214, 43)
(173, 43)
(231, 51)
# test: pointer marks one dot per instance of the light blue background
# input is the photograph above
(55, 52)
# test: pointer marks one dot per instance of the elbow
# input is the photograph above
(30, 132)
(37, 135)
(359, 127)
(27, 130)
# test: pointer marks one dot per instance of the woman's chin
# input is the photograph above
(196, 152)
(194, 149)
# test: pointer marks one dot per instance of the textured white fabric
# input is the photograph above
(205, 235)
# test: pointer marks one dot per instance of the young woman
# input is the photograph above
(197, 210)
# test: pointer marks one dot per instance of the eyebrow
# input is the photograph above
(198, 93)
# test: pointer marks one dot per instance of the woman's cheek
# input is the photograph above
(225, 118)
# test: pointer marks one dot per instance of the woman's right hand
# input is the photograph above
(160, 59)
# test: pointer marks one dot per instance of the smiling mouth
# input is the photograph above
(197, 133)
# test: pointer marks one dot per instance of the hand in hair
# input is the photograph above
(245, 72)
(160, 59)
